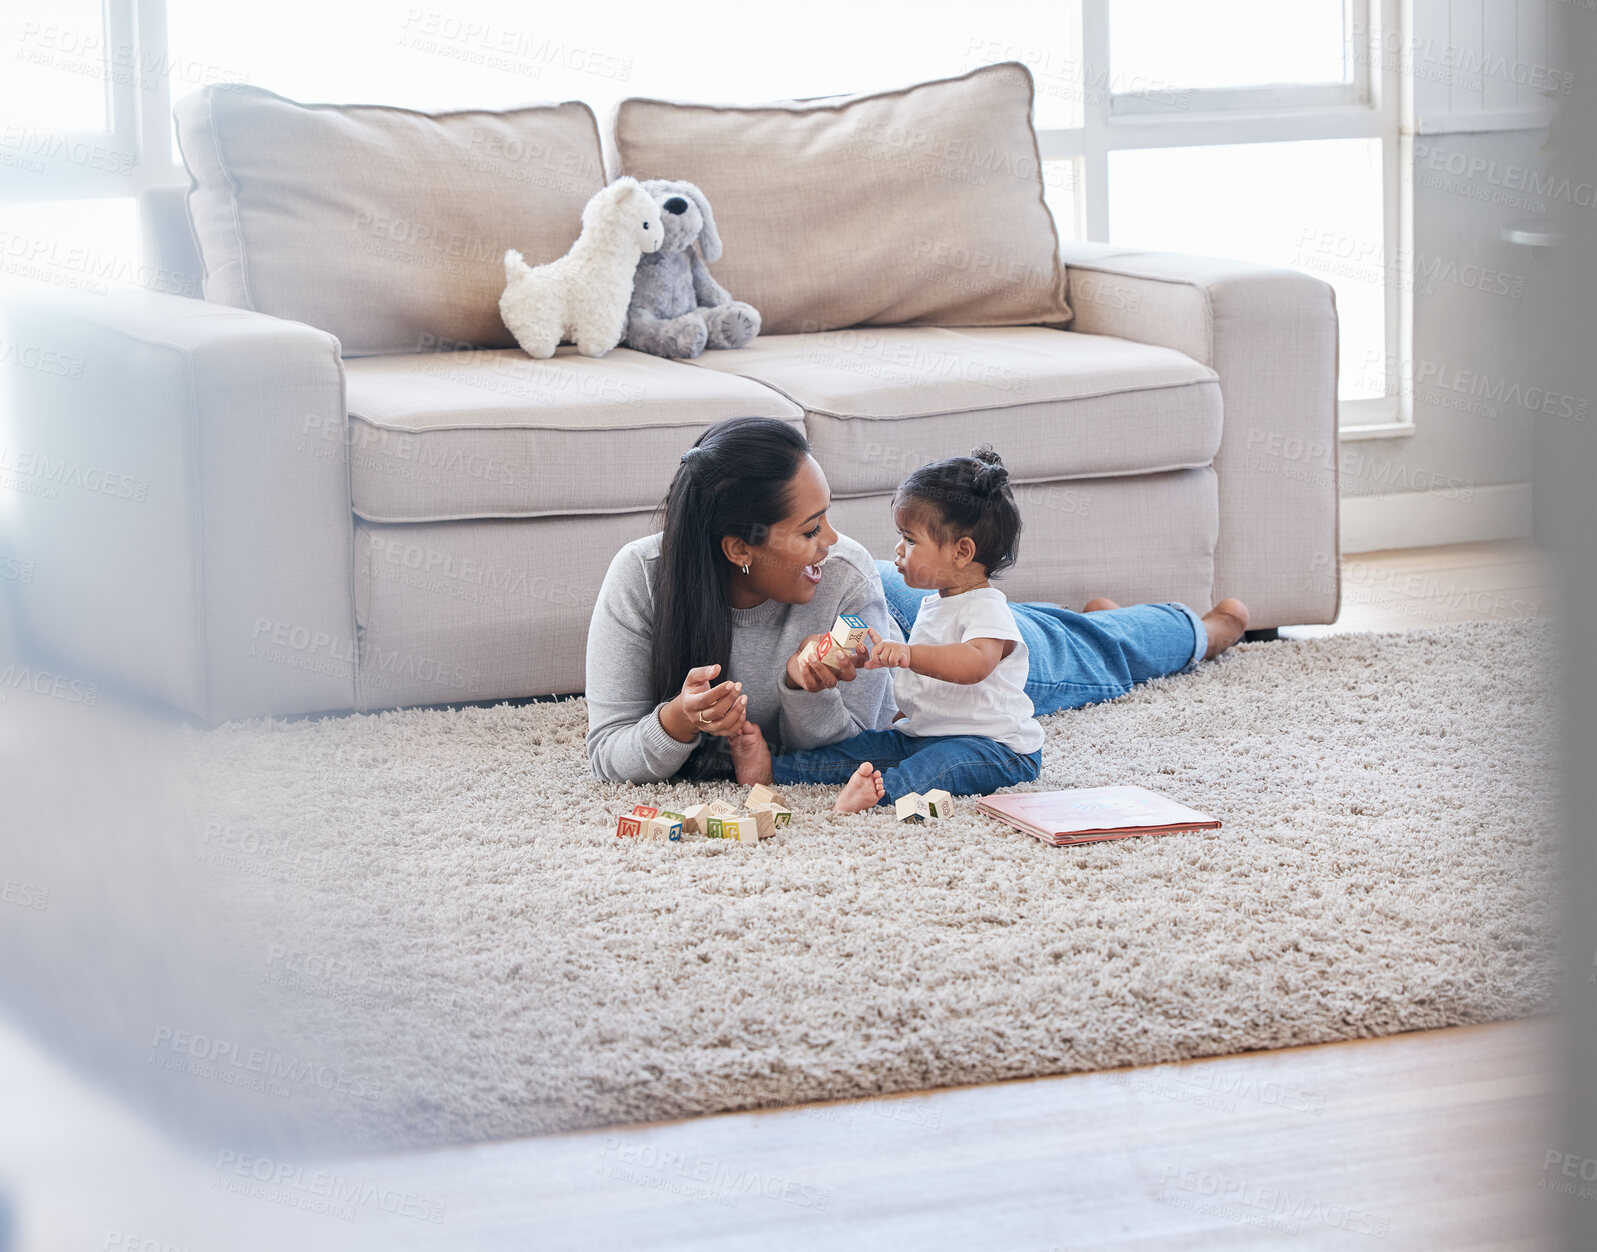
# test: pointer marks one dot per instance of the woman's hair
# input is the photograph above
(736, 480)
(967, 495)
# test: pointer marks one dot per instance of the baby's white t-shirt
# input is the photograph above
(995, 708)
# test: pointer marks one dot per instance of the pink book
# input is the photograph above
(1093, 813)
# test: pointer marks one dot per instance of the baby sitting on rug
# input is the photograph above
(965, 723)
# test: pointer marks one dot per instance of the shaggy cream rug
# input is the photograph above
(431, 912)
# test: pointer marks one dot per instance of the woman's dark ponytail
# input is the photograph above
(736, 480)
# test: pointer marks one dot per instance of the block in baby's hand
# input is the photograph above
(761, 794)
(940, 803)
(911, 807)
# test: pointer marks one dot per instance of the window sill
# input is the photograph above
(1375, 430)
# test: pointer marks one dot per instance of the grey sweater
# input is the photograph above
(627, 743)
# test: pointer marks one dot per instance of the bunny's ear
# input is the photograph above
(709, 237)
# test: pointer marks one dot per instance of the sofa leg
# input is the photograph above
(1269, 635)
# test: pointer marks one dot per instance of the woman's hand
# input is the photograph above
(818, 675)
(702, 709)
(885, 654)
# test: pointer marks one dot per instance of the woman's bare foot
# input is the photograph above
(751, 758)
(1225, 623)
(860, 792)
(1098, 604)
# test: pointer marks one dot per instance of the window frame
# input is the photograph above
(1372, 106)
(138, 121)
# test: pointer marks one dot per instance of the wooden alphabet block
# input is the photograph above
(781, 814)
(760, 794)
(693, 818)
(645, 810)
(911, 807)
(940, 803)
(628, 825)
(662, 828)
(848, 631)
(715, 826)
(722, 809)
(743, 829)
(824, 650)
(764, 820)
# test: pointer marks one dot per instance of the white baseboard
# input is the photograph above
(1423, 519)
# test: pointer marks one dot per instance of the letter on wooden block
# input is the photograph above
(848, 631)
(940, 803)
(645, 810)
(911, 807)
(663, 828)
(629, 825)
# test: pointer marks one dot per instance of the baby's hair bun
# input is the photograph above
(990, 476)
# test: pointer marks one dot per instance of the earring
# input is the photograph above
(745, 567)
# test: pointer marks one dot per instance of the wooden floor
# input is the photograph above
(1408, 589)
(1433, 1140)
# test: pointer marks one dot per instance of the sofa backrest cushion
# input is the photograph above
(923, 205)
(383, 226)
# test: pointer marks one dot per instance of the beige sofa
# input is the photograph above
(388, 505)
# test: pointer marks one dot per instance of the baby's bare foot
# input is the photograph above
(751, 758)
(1098, 604)
(1225, 623)
(861, 792)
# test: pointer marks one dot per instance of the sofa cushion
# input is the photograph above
(456, 435)
(923, 205)
(1056, 404)
(383, 226)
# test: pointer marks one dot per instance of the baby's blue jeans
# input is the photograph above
(962, 765)
(1082, 658)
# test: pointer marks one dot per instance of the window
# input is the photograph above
(80, 83)
(1256, 130)
(72, 97)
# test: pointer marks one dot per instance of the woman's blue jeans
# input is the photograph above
(1082, 658)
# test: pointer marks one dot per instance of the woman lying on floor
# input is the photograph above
(699, 628)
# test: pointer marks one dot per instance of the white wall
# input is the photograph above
(1480, 69)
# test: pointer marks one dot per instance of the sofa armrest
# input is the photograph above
(1271, 335)
(178, 479)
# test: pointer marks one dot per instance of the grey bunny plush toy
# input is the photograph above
(677, 309)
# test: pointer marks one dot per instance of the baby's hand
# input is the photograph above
(888, 655)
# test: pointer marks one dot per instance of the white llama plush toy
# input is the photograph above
(583, 296)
